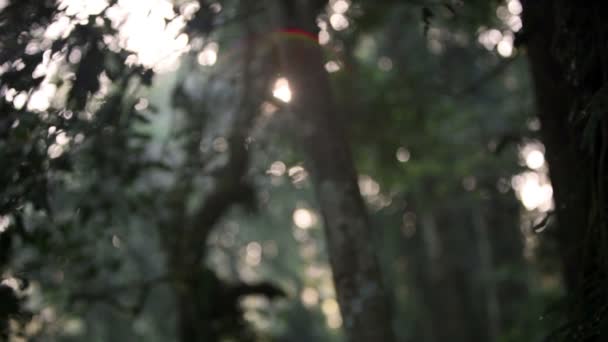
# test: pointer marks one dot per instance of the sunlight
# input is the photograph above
(533, 188)
(332, 313)
(532, 155)
(340, 6)
(502, 13)
(309, 297)
(514, 6)
(83, 8)
(20, 100)
(277, 169)
(330, 306)
(208, 56)
(533, 195)
(534, 191)
(151, 28)
(254, 253)
(489, 38)
(402, 154)
(58, 29)
(505, 48)
(332, 66)
(535, 159)
(323, 37)
(503, 41)
(298, 175)
(368, 186)
(338, 21)
(5, 221)
(11, 282)
(55, 151)
(304, 218)
(515, 23)
(334, 321)
(281, 90)
(41, 99)
(62, 139)
(220, 144)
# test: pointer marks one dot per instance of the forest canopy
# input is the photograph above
(302, 170)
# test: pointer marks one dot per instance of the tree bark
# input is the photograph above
(356, 271)
(568, 57)
(568, 169)
(500, 217)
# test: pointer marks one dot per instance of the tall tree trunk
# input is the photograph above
(445, 280)
(509, 278)
(568, 170)
(448, 275)
(569, 57)
(486, 274)
(356, 271)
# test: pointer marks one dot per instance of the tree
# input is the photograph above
(355, 269)
(567, 67)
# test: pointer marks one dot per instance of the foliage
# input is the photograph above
(110, 187)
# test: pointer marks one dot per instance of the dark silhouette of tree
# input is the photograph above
(567, 62)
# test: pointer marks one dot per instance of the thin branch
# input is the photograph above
(488, 76)
(230, 184)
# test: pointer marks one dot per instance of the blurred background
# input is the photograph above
(127, 169)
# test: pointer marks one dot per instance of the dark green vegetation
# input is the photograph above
(291, 170)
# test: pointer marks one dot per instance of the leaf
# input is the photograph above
(87, 77)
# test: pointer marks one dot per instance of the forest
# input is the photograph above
(303, 170)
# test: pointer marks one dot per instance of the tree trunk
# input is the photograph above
(445, 283)
(568, 57)
(500, 216)
(486, 274)
(356, 271)
(568, 169)
(449, 273)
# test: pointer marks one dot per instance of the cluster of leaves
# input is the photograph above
(97, 121)
(38, 146)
